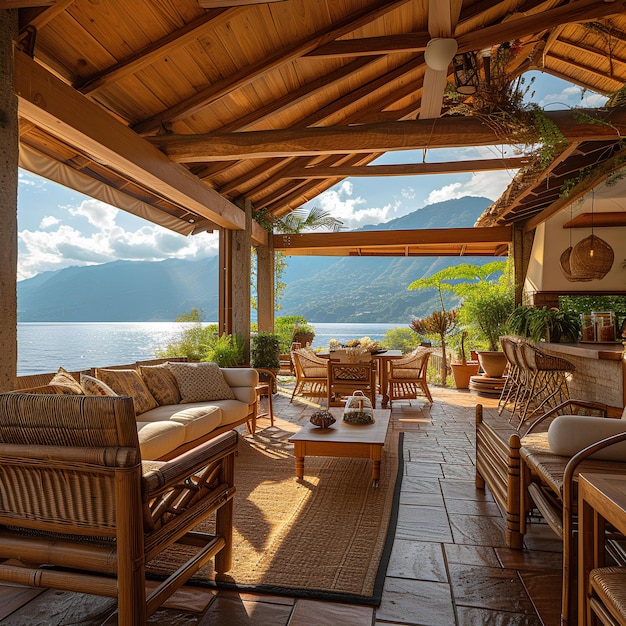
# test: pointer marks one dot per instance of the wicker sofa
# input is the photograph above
(168, 422)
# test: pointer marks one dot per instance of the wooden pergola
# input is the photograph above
(194, 113)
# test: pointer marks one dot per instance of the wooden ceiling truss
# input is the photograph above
(195, 106)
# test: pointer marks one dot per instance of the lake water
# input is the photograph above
(45, 346)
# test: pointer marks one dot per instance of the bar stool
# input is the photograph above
(545, 380)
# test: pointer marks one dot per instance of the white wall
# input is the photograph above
(551, 239)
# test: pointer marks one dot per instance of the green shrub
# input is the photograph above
(401, 338)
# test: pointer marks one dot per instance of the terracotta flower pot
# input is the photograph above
(462, 372)
(493, 363)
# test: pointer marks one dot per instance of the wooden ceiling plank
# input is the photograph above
(586, 68)
(580, 11)
(387, 44)
(295, 97)
(215, 4)
(49, 103)
(246, 75)
(599, 175)
(405, 135)
(40, 16)
(408, 169)
(155, 51)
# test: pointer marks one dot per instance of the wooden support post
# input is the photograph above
(9, 138)
(265, 287)
(240, 285)
(522, 245)
(225, 292)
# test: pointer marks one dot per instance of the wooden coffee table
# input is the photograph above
(362, 441)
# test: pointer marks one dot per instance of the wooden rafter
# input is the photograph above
(406, 135)
(409, 169)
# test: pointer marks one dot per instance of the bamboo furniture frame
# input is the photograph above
(81, 512)
(346, 378)
(311, 374)
(407, 376)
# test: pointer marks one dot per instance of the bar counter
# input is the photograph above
(600, 373)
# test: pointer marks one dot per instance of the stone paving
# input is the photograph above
(449, 565)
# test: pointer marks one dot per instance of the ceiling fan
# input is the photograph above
(440, 50)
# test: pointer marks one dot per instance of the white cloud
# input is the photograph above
(98, 213)
(66, 246)
(408, 193)
(341, 205)
(486, 184)
(47, 221)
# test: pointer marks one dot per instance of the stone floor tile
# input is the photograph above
(478, 530)
(423, 523)
(423, 470)
(314, 613)
(237, 612)
(463, 489)
(541, 537)
(473, 507)
(418, 560)
(470, 616)
(530, 559)
(483, 556)
(12, 597)
(419, 455)
(416, 602)
(421, 499)
(544, 590)
(489, 588)
(412, 484)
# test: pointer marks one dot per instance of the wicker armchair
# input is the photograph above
(311, 376)
(407, 376)
(81, 513)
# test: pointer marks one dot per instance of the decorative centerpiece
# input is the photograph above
(358, 409)
(322, 419)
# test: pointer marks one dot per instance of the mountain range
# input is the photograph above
(322, 289)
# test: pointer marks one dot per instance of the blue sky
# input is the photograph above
(59, 228)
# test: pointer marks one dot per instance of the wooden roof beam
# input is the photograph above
(393, 238)
(586, 68)
(447, 132)
(409, 169)
(48, 102)
(246, 75)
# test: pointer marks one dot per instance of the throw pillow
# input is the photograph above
(94, 387)
(199, 382)
(161, 382)
(569, 434)
(63, 382)
(129, 383)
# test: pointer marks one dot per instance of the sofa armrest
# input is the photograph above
(241, 376)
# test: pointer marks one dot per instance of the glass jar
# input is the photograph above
(604, 323)
(588, 327)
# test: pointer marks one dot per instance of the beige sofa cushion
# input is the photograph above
(198, 419)
(95, 387)
(569, 434)
(157, 439)
(199, 382)
(65, 383)
(232, 410)
(161, 382)
(243, 382)
(129, 383)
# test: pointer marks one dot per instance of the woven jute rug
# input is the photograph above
(326, 537)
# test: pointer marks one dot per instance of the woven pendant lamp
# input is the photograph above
(564, 261)
(592, 257)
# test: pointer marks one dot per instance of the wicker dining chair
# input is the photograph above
(311, 377)
(407, 376)
(79, 511)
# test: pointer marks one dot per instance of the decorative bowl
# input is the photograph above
(322, 419)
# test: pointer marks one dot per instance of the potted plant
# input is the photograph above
(545, 324)
(441, 324)
(303, 334)
(462, 369)
(265, 355)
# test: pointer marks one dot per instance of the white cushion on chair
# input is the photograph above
(569, 434)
